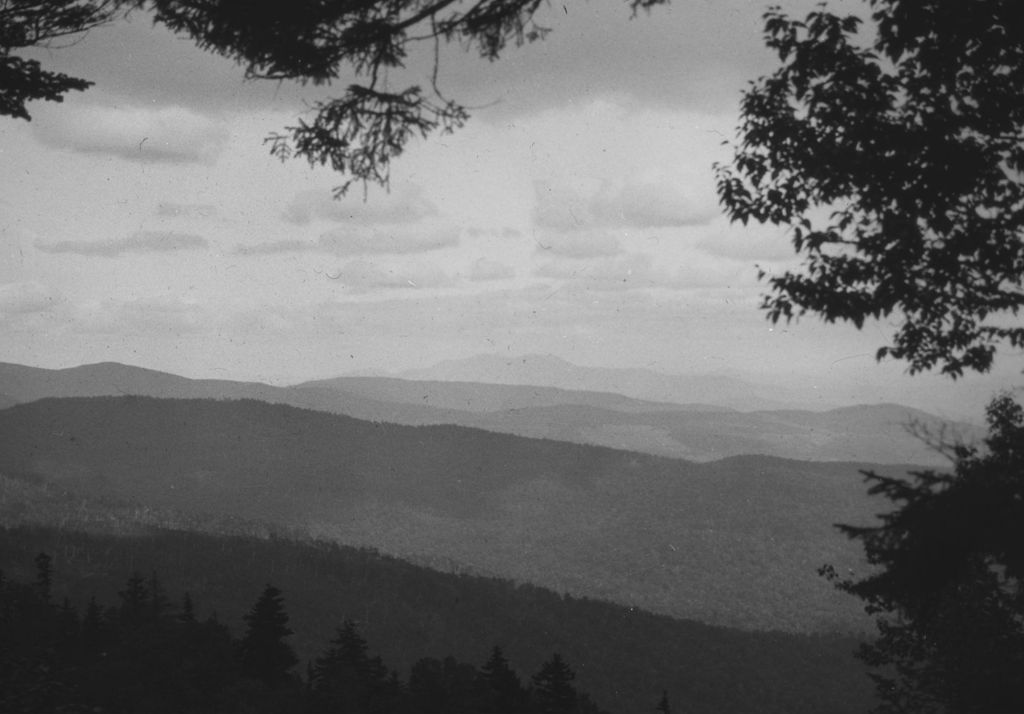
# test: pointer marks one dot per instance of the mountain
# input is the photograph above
(482, 397)
(643, 384)
(880, 433)
(20, 383)
(735, 541)
(700, 432)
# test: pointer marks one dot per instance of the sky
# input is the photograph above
(144, 221)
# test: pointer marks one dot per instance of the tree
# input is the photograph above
(308, 41)
(553, 687)
(894, 152)
(502, 690)
(948, 591)
(38, 23)
(263, 652)
(44, 576)
(346, 678)
(663, 705)
(135, 601)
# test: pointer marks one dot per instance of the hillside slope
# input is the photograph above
(625, 658)
(736, 541)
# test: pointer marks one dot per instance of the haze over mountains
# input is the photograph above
(643, 384)
(507, 479)
(702, 428)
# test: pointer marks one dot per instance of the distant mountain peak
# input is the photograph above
(545, 370)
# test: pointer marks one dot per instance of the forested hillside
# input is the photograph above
(623, 657)
(736, 542)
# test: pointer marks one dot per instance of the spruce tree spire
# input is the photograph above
(263, 652)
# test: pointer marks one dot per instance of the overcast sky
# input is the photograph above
(143, 221)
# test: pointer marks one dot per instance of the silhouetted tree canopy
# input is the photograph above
(894, 151)
(553, 687)
(264, 653)
(40, 23)
(949, 590)
(309, 41)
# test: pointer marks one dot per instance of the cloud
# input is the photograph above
(485, 269)
(649, 205)
(167, 134)
(144, 316)
(357, 241)
(27, 298)
(404, 205)
(167, 209)
(753, 243)
(692, 54)
(638, 271)
(590, 244)
(140, 242)
(560, 207)
(344, 242)
(275, 247)
(364, 275)
(630, 204)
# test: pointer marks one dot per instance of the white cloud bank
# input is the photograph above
(168, 134)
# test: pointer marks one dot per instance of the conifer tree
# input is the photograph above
(503, 691)
(345, 677)
(663, 705)
(263, 652)
(134, 599)
(948, 588)
(44, 576)
(553, 687)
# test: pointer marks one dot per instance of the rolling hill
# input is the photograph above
(735, 541)
(700, 432)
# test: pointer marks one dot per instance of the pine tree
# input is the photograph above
(553, 687)
(263, 652)
(503, 691)
(663, 705)
(134, 599)
(44, 576)
(346, 678)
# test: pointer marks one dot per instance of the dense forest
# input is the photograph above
(170, 610)
(675, 537)
(146, 654)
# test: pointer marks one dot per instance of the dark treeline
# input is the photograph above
(623, 657)
(148, 652)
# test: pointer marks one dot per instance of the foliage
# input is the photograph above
(623, 656)
(949, 591)
(894, 151)
(308, 41)
(50, 661)
(346, 678)
(38, 23)
(501, 690)
(553, 686)
(263, 652)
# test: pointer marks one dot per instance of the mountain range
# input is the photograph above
(643, 384)
(735, 541)
(695, 430)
